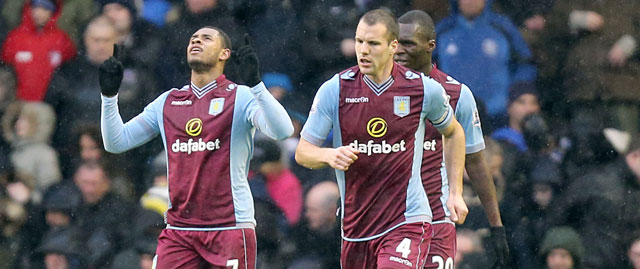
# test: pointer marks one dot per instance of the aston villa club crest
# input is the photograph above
(401, 106)
(216, 106)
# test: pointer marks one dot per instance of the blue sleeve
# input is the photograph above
(119, 137)
(521, 62)
(267, 114)
(467, 115)
(437, 108)
(322, 113)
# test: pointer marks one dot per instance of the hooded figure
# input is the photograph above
(37, 47)
(485, 51)
(28, 126)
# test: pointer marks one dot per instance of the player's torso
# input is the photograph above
(432, 170)
(198, 141)
(381, 123)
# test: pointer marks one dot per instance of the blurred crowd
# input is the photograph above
(557, 84)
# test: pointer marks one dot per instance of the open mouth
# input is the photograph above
(195, 50)
(365, 62)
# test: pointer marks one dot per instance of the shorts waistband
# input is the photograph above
(241, 225)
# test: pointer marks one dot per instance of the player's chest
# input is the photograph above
(394, 112)
(187, 116)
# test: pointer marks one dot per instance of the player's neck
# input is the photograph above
(382, 75)
(426, 69)
(202, 79)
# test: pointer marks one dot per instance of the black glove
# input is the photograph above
(246, 61)
(500, 247)
(111, 73)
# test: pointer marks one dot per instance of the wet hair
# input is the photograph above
(384, 17)
(425, 24)
(226, 41)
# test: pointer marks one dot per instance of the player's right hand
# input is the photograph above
(458, 208)
(341, 158)
(111, 72)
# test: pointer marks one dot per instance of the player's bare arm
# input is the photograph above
(454, 150)
(312, 156)
(483, 185)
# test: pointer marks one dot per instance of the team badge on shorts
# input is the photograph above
(401, 106)
(216, 106)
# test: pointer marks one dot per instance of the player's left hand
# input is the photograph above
(500, 246)
(458, 208)
(247, 64)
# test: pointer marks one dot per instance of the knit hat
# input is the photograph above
(129, 4)
(46, 4)
(520, 88)
(277, 79)
(564, 238)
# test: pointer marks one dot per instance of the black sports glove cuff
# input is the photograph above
(252, 82)
(500, 246)
(498, 233)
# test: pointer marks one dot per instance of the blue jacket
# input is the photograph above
(488, 54)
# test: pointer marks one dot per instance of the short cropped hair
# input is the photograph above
(425, 24)
(384, 17)
(226, 41)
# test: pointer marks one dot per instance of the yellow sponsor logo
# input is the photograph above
(377, 127)
(193, 127)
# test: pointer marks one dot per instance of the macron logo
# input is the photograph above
(356, 100)
(181, 103)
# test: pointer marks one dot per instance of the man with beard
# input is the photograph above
(207, 129)
(416, 43)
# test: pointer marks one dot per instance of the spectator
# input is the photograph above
(156, 198)
(470, 253)
(156, 11)
(282, 186)
(318, 237)
(28, 127)
(14, 210)
(36, 48)
(103, 213)
(562, 248)
(523, 101)
(140, 39)
(601, 74)
(533, 211)
(62, 249)
(74, 92)
(75, 14)
(607, 191)
(148, 225)
(485, 51)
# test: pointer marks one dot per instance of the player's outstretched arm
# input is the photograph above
(454, 150)
(314, 157)
(117, 136)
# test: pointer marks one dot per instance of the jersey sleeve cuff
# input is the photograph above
(470, 149)
(313, 140)
(109, 100)
(444, 121)
(258, 88)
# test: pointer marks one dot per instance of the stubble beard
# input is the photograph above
(200, 66)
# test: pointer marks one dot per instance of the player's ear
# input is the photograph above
(394, 46)
(431, 45)
(224, 55)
